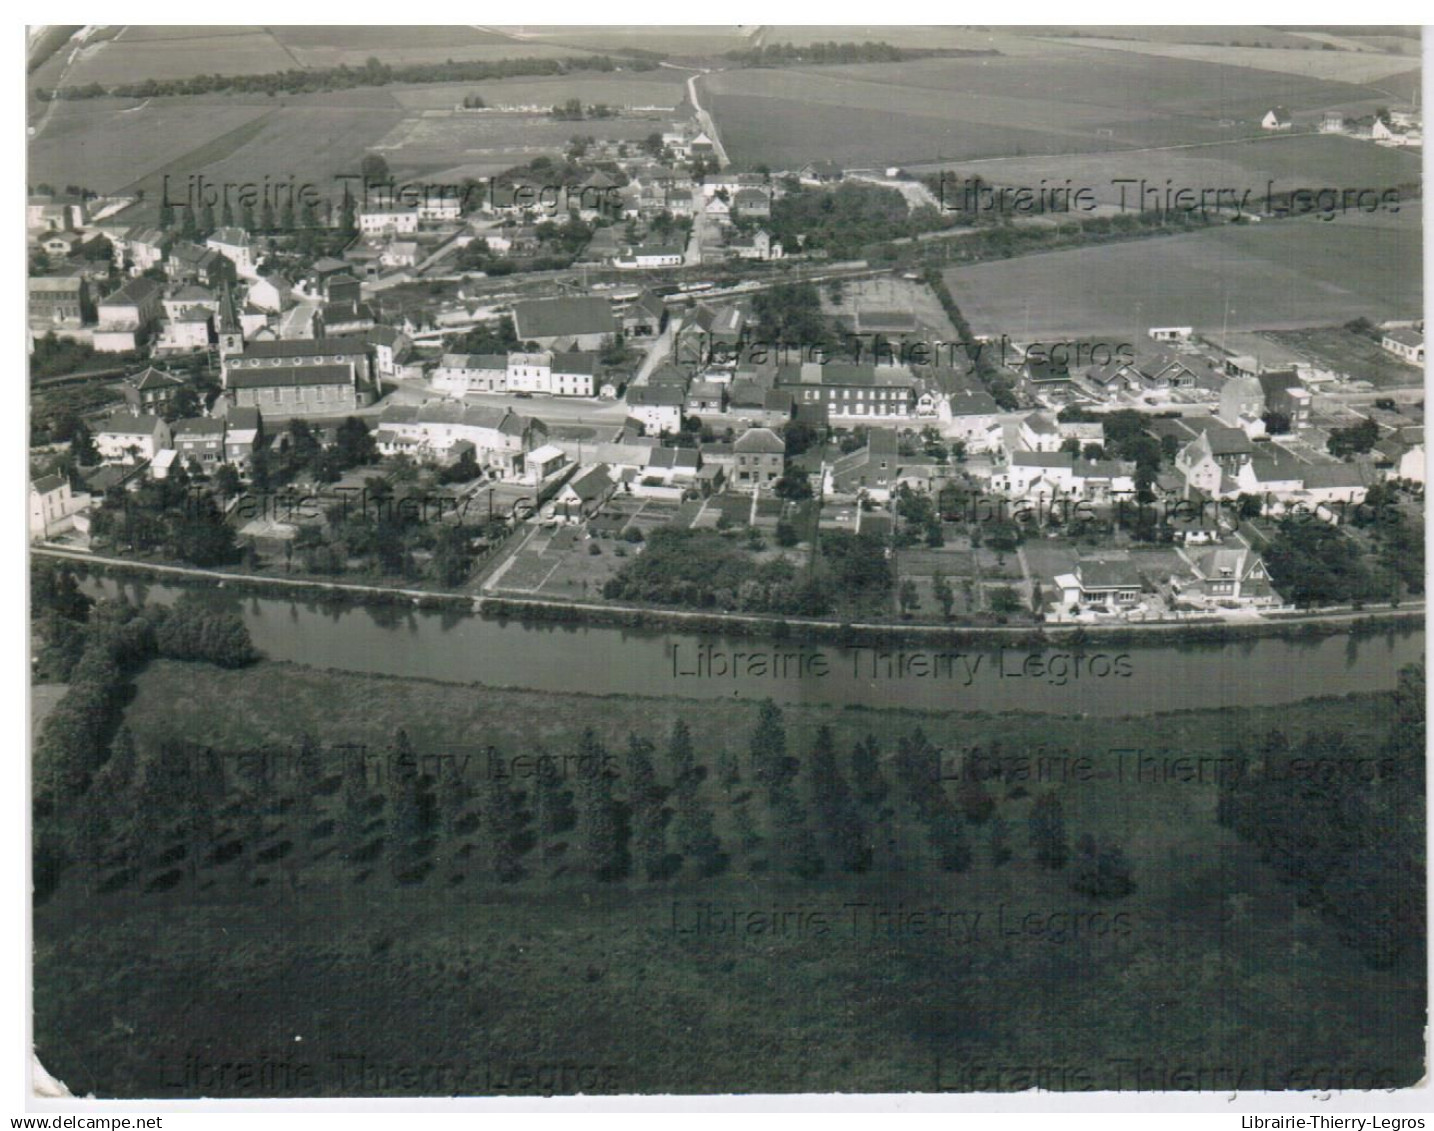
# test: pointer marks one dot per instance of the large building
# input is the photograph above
(869, 394)
(499, 437)
(565, 323)
(293, 378)
(57, 302)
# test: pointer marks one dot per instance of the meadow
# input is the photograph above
(1277, 275)
(345, 979)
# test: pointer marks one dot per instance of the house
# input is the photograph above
(462, 373)
(130, 438)
(866, 393)
(530, 372)
(1242, 405)
(872, 468)
(200, 440)
(657, 407)
(672, 465)
(499, 437)
(1039, 432)
(1286, 395)
(1404, 343)
(648, 257)
(1113, 583)
(543, 462)
(243, 433)
(349, 317)
(820, 173)
(752, 203)
(61, 245)
(759, 245)
(1031, 475)
(390, 347)
(151, 391)
(187, 296)
(1277, 118)
(645, 316)
(761, 458)
(399, 253)
(1211, 462)
(1332, 122)
(387, 220)
(706, 398)
(192, 263)
(588, 490)
(710, 334)
(234, 244)
(127, 314)
(186, 331)
(52, 507)
(47, 212)
(142, 248)
(573, 374)
(576, 323)
(1227, 576)
(57, 302)
(271, 292)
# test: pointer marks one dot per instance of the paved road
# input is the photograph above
(704, 119)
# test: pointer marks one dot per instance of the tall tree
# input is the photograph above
(1047, 827)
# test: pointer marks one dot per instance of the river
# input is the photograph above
(460, 647)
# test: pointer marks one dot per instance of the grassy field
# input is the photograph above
(345, 981)
(1062, 98)
(1281, 275)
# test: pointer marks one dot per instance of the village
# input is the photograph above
(482, 348)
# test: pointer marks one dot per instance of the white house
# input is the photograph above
(52, 506)
(462, 373)
(658, 407)
(128, 438)
(1405, 343)
(1277, 118)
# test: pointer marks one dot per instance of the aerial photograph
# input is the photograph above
(707, 560)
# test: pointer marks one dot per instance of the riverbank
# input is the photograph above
(1293, 626)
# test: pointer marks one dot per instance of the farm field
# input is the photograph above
(1334, 66)
(663, 87)
(106, 144)
(1290, 160)
(555, 968)
(139, 52)
(1071, 99)
(690, 39)
(1279, 275)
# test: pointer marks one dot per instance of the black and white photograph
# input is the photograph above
(578, 563)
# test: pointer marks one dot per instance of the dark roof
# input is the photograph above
(152, 377)
(579, 362)
(131, 424)
(1107, 573)
(243, 418)
(47, 483)
(263, 377)
(656, 395)
(305, 347)
(559, 317)
(198, 426)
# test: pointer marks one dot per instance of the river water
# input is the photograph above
(600, 660)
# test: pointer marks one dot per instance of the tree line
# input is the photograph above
(345, 77)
